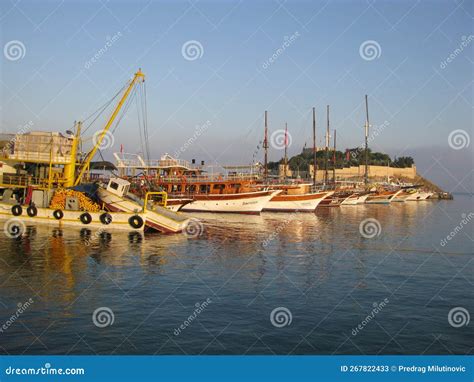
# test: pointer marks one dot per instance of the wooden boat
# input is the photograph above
(382, 197)
(296, 198)
(101, 220)
(243, 203)
(419, 196)
(184, 181)
(333, 200)
(355, 199)
(402, 197)
(116, 197)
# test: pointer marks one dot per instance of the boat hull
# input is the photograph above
(120, 221)
(176, 204)
(384, 198)
(159, 219)
(244, 203)
(354, 200)
(295, 203)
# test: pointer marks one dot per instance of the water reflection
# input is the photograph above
(248, 264)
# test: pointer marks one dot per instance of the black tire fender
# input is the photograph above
(135, 221)
(58, 214)
(86, 218)
(105, 218)
(32, 211)
(17, 210)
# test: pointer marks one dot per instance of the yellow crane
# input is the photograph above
(139, 76)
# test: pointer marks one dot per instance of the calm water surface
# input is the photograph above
(317, 270)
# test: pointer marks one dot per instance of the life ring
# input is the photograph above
(58, 214)
(86, 218)
(32, 211)
(17, 210)
(105, 218)
(135, 221)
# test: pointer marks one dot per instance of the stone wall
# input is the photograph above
(357, 172)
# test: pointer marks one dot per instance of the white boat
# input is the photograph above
(290, 200)
(116, 197)
(383, 197)
(241, 203)
(176, 204)
(101, 220)
(418, 196)
(355, 199)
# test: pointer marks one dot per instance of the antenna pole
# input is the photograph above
(326, 156)
(315, 164)
(286, 151)
(366, 173)
(265, 146)
(334, 160)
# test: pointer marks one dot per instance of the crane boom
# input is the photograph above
(85, 164)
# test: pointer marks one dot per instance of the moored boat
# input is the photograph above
(296, 199)
(116, 197)
(243, 203)
(382, 197)
(355, 199)
(332, 200)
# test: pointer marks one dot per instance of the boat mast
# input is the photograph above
(286, 153)
(366, 174)
(265, 147)
(85, 164)
(315, 165)
(326, 156)
(334, 160)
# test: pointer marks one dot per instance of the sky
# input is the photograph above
(214, 67)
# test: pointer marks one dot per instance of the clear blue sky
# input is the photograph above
(232, 83)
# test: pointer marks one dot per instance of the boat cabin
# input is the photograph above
(118, 186)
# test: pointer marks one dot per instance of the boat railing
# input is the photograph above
(207, 178)
(24, 180)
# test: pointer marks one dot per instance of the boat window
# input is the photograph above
(114, 185)
(204, 188)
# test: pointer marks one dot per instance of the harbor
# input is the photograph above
(52, 181)
(236, 190)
